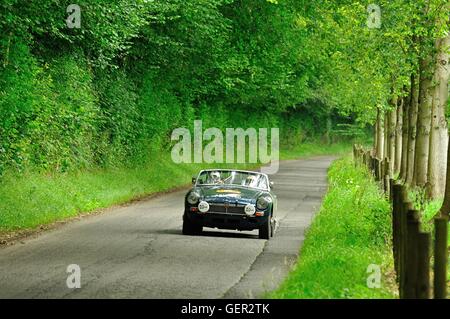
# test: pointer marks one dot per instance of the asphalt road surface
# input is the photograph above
(138, 251)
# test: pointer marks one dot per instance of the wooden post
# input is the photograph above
(386, 176)
(391, 188)
(378, 170)
(396, 189)
(423, 266)
(410, 283)
(440, 257)
(373, 167)
(387, 187)
(405, 208)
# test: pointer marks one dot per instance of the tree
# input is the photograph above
(445, 209)
(412, 130)
(399, 137)
(439, 132)
(422, 146)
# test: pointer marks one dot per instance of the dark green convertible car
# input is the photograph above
(230, 199)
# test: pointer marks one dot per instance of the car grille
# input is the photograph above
(222, 209)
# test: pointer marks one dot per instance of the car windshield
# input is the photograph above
(239, 178)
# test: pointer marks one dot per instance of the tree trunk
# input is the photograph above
(392, 120)
(423, 124)
(445, 210)
(439, 134)
(375, 137)
(412, 130)
(380, 135)
(404, 132)
(398, 138)
(329, 128)
(5, 61)
(387, 147)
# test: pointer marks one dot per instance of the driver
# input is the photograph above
(215, 178)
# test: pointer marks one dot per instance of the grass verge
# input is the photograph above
(30, 200)
(350, 232)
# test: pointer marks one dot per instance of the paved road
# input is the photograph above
(138, 251)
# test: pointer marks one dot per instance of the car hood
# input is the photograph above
(229, 194)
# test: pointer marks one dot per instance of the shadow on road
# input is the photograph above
(208, 233)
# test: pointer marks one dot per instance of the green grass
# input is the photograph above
(350, 232)
(312, 149)
(32, 199)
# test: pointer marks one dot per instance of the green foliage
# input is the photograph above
(274, 59)
(48, 113)
(112, 91)
(109, 92)
(350, 232)
(18, 79)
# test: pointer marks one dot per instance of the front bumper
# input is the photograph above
(226, 221)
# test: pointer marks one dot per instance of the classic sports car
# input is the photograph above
(230, 199)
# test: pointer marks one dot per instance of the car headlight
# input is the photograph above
(263, 202)
(249, 209)
(193, 198)
(203, 206)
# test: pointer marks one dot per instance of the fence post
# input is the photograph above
(396, 225)
(373, 167)
(404, 205)
(386, 176)
(387, 187)
(391, 188)
(440, 257)
(411, 255)
(377, 170)
(423, 266)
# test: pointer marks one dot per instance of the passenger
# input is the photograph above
(250, 181)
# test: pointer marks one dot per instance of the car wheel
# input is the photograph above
(265, 229)
(272, 227)
(190, 228)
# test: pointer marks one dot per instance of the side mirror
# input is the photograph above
(194, 180)
(271, 184)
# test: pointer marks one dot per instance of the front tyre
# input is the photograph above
(189, 228)
(272, 226)
(265, 231)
